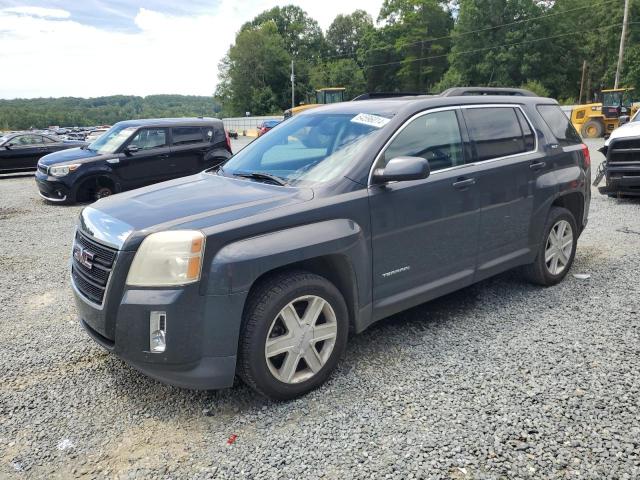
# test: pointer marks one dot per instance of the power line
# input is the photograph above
(366, 67)
(470, 32)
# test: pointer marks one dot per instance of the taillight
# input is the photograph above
(586, 156)
(228, 139)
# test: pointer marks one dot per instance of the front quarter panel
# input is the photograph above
(237, 265)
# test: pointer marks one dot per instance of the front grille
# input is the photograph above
(91, 267)
(43, 169)
(624, 150)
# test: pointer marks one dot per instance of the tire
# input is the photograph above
(592, 129)
(263, 321)
(541, 272)
(94, 188)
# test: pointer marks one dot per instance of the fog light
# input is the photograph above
(157, 332)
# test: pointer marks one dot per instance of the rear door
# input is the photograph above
(505, 149)
(189, 147)
(150, 163)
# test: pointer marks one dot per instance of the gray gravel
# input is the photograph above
(501, 380)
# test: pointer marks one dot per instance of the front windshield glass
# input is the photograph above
(4, 139)
(112, 139)
(309, 148)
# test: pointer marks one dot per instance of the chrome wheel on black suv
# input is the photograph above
(294, 333)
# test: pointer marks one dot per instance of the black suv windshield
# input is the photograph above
(112, 139)
(310, 148)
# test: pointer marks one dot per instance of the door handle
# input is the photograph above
(537, 165)
(463, 183)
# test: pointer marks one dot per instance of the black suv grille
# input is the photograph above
(91, 267)
(624, 150)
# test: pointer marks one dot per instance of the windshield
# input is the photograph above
(112, 139)
(4, 139)
(309, 148)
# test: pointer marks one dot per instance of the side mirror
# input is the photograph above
(9, 145)
(402, 169)
(624, 119)
(131, 149)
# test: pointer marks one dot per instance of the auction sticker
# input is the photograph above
(370, 120)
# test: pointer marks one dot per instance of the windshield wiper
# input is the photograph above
(262, 176)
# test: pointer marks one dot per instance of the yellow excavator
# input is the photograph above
(324, 96)
(597, 119)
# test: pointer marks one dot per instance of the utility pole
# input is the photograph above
(293, 86)
(584, 71)
(625, 23)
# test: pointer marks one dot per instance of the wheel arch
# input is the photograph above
(574, 202)
(93, 176)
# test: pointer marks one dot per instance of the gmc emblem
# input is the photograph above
(82, 256)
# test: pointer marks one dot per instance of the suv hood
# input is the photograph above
(70, 155)
(198, 201)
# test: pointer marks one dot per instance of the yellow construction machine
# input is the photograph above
(324, 96)
(597, 119)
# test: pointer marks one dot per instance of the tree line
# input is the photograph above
(427, 46)
(22, 114)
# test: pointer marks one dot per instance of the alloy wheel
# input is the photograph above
(301, 339)
(559, 247)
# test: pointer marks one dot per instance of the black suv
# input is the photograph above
(132, 154)
(341, 216)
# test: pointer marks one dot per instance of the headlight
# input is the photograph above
(62, 170)
(168, 258)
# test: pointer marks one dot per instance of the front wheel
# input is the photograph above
(294, 331)
(557, 249)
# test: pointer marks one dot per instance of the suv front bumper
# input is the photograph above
(51, 188)
(201, 334)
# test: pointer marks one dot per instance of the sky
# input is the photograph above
(90, 48)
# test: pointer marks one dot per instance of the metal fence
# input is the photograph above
(247, 126)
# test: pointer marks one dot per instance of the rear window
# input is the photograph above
(497, 132)
(559, 125)
(187, 135)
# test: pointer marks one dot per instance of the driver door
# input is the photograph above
(149, 163)
(424, 232)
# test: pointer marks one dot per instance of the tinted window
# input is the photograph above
(529, 137)
(186, 135)
(434, 137)
(559, 124)
(495, 131)
(207, 132)
(48, 140)
(148, 138)
(27, 140)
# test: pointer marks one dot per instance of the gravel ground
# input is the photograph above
(500, 380)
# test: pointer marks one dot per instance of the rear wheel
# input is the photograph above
(294, 332)
(592, 129)
(557, 249)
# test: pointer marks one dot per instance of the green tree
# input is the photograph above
(346, 33)
(343, 72)
(255, 73)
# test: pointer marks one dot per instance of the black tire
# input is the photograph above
(592, 129)
(538, 272)
(263, 306)
(94, 188)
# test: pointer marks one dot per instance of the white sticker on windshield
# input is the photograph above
(370, 120)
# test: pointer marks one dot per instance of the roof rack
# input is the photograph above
(470, 91)
(377, 95)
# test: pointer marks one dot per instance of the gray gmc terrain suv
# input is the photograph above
(338, 217)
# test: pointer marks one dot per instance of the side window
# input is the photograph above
(186, 135)
(559, 125)
(148, 138)
(48, 140)
(529, 136)
(207, 132)
(434, 137)
(495, 131)
(27, 140)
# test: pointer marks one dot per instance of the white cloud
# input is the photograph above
(39, 12)
(47, 53)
